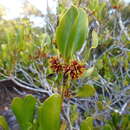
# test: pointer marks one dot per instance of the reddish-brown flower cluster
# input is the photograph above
(74, 70)
(55, 64)
(117, 7)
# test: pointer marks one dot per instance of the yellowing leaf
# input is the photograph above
(63, 126)
(94, 39)
(3, 123)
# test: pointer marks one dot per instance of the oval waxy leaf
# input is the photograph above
(72, 31)
(24, 109)
(87, 124)
(86, 91)
(49, 113)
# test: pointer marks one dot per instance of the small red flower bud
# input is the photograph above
(55, 64)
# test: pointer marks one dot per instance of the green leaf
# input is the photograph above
(86, 91)
(93, 5)
(89, 72)
(107, 127)
(20, 37)
(72, 31)
(100, 105)
(49, 113)
(125, 121)
(3, 123)
(24, 108)
(94, 39)
(87, 124)
(116, 117)
(4, 48)
(64, 29)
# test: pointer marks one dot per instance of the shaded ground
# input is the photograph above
(9, 90)
(6, 96)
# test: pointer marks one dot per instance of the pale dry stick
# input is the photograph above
(80, 106)
(19, 92)
(118, 99)
(123, 29)
(67, 118)
(24, 86)
(116, 110)
(123, 108)
(25, 83)
(68, 115)
(31, 84)
(111, 108)
(26, 75)
(42, 79)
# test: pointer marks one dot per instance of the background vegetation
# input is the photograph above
(99, 98)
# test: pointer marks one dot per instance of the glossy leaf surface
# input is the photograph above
(87, 124)
(24, 108)
(49, 113)
(72, 31)
(86, 91)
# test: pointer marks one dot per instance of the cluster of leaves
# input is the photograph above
(40, 116)
(93, 37)
(20, 43)
(25, 112)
